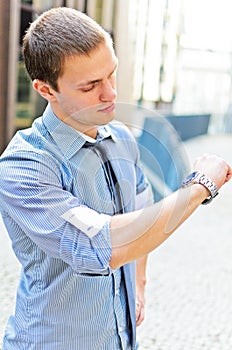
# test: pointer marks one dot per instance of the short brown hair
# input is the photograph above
(56, 34)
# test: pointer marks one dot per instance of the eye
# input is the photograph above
(89, 87)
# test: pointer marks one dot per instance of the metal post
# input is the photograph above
(4, 46)
(9, 31)
(13, 56)
(86, 7)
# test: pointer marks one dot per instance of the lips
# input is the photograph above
(108, 109)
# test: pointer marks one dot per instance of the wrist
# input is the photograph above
(201, 191)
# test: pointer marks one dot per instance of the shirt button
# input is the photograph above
(120, 329)
(117, 293)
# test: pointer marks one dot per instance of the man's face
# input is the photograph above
(87, 90)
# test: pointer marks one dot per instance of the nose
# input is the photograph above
(108, 91)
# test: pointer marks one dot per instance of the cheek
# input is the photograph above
(73, 101)
(90, 99)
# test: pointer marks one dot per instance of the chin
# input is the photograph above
(106, 118)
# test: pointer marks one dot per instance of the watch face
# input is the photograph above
(190, 178)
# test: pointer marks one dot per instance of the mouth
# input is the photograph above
(108, 109)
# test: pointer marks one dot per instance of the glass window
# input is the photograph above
(29, 104)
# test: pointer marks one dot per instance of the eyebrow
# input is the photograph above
(89, 82)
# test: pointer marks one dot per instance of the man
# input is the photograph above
(75, 201)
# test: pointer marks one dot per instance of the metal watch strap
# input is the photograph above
(199, 178)
(210, 185)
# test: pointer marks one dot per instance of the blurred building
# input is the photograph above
(19, 104)
(145, 36)
(171, 56)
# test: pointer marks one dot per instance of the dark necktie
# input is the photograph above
(127, 270)
(100, 149)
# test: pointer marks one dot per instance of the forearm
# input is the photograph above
(136, 234)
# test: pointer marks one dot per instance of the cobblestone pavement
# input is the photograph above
(189, 288)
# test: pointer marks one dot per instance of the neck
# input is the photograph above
(89, 130)
(85, 129)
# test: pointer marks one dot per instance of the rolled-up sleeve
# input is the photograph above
(91, 249)
(32, 194)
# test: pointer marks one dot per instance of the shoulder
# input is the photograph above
(29, 145)
(27, 139)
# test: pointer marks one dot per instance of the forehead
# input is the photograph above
(98, 63)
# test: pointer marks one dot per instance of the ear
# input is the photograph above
(44, 90)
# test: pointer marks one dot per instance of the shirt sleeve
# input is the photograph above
(33, 195)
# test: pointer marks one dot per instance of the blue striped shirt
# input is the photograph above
(56, 205)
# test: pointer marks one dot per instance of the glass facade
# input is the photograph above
(25, 107)
(161, 66)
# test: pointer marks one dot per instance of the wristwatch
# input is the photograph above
(198, 178)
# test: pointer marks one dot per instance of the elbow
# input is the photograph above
(118, 257)
(115, 260)
(114, 265)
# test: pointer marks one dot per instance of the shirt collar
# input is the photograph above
(67, 138)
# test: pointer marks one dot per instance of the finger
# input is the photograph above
(229, 174)
(139, 314)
